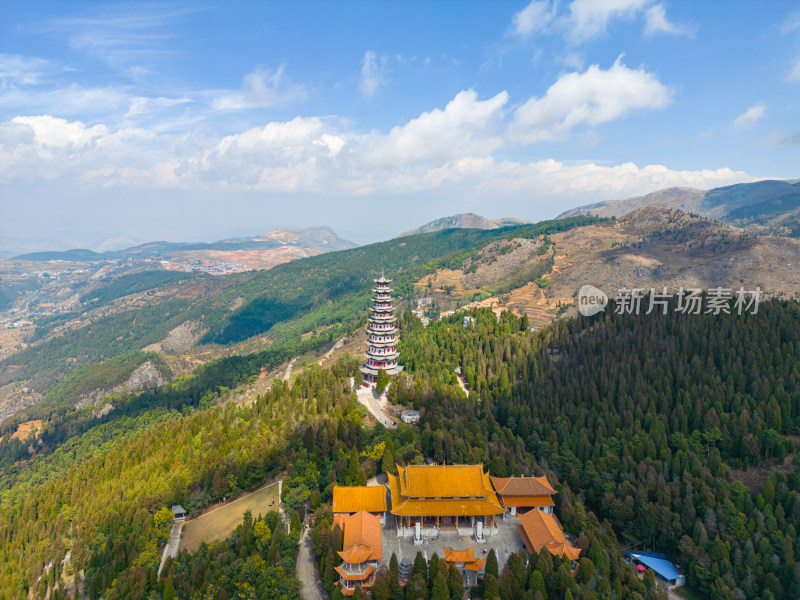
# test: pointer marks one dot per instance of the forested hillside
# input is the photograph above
(641, 418)
(324, 295)
(639, 421)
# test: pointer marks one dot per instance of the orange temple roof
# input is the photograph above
(353, 499)
(527, 501)
(465, 556)
(539, 529)
(459, 556)
(432, 481)
(441, 503)
(354, 577)
(522, 486)
(362, 538)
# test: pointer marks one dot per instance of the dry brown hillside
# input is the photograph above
(650, 247)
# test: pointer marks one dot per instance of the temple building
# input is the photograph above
(428, 498)
(521, 494)
(361, 554)
(542, 530)
(382, 335)
(349, 500)
(465, 561)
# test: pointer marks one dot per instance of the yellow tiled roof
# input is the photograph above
(465, 556)
(409, 507)
(350, 577)
(522, 486)
(459, 556)
(356, 554)
(352, 499)
(539, 529)
(526, 501)
(436, 481)
(362, 538)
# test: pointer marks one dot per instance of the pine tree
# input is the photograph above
(491, 564)
(440, 590)
(169, 590)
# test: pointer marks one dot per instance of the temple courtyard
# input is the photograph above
(505, 540)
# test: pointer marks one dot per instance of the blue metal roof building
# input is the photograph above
(660, 565)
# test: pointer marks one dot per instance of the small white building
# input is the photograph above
(410, 416)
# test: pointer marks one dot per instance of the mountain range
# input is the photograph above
(772, 205)
(322, 239)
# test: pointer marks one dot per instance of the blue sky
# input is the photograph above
(194, 121)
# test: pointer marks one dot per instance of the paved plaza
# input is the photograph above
(505, 540)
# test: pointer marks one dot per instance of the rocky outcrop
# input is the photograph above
(145, 377)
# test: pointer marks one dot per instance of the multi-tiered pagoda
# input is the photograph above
(382, 335)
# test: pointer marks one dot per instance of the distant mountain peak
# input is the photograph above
(319, 235)
(769, 203)
(464, 221)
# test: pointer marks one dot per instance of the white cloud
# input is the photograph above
(589, 18)
(452, 150)
(284, 137)
(792, 22)
(593, 97)
(71, 101)
(51, 131)
(371, 76)
(125, 34)
(21, 70)
(466, 126)
(141, 106)
(551, 178)
(262, 89)
(533, 18)
(656, 22)
(586, 19)
(750, 117)
(794, 72)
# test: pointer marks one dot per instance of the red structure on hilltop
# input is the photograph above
(382, 335)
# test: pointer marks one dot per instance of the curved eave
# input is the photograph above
(354, 577)
(382, 357)
(389, 371)
(377, 344)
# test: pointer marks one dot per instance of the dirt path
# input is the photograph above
(367, 397)
(171, 549)
(288, 373)
(327, 355)
(461, 382)
(306, 571)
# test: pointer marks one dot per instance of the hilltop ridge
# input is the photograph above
(464, 221)
(770, 204)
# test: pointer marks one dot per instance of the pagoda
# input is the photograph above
(382, 335)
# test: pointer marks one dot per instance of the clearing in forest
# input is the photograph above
(218, 523)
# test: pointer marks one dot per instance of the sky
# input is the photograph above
(188, 121)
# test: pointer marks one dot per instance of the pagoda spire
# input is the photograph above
(382, 334)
